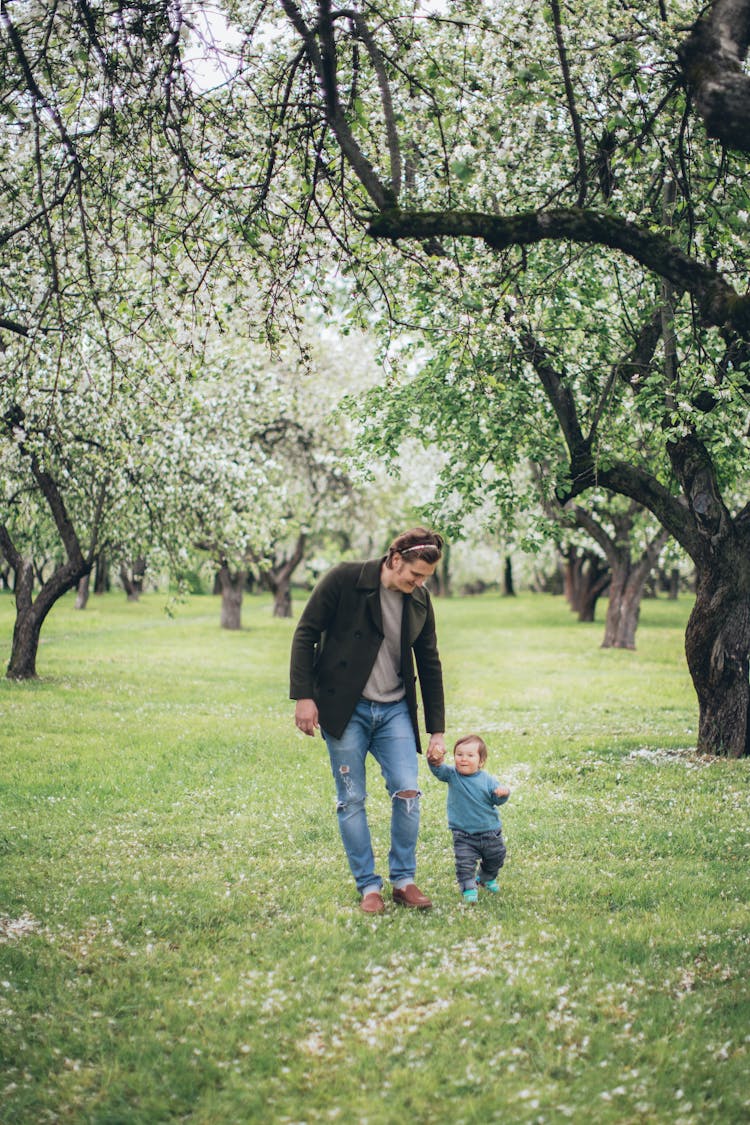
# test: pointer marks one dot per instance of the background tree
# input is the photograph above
(109, 229)
(620, 531)
(78, 478)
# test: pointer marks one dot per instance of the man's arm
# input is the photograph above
(317, 614)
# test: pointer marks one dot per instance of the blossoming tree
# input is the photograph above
(542, 199)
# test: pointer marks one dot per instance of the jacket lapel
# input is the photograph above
(415, 614)
(369, 579)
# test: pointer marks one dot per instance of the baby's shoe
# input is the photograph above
(470, 894)
(490, 885)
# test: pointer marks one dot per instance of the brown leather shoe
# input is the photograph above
(372, 903)
(410, 895)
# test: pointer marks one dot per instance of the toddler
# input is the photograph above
(473, 797)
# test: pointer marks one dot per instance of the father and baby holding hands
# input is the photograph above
(352, 675)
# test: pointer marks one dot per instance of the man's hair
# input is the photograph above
(480, 745)
(417, 543)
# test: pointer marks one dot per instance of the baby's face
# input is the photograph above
(466, 757)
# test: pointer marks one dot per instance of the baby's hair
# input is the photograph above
(481, 746)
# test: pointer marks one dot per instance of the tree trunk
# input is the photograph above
(508, 587)
(82, 596)
(586, 578)
(626, 590)
(717, 645)
(26, 632)
(232, 586)
(624, 608)
(27, 628)
(674, 584)
(588, 597)
(31, 614)
(627, 579)
(445, 572)
(282, 598)
(278, 578)
(132, 579)
(101, 581)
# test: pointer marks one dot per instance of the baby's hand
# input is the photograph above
(502, 791)
(435, 756)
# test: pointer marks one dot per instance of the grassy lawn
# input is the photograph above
(180, 940)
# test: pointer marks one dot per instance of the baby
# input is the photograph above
(473, 797)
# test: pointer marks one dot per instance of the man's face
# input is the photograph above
(405, 575)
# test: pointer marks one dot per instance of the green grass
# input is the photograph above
(180, 941)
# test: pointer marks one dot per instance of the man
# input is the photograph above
(352, 674)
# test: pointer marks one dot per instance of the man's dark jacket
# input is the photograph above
(337, 640)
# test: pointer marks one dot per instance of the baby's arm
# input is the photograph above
(441, 771)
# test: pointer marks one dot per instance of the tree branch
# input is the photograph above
(696, 473)
(51, 493)
(719, 303)
(561, 400)
(323, 61)
(33, 87)
(582, 176)
(8, 548)
(14, 326)
(632, 368)
(376, 58)
(671, 511)
(586, 522)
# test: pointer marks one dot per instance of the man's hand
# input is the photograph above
(306, 716)
(436, 749)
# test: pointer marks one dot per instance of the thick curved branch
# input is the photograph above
(719, 303)
(711, 59)
(584, 520)
(671, 511)
(623, 478)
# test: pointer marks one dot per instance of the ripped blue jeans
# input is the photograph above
(385, 731)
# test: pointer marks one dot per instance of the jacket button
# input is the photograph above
(357, 635)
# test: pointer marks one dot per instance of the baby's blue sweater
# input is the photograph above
(471, 799)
